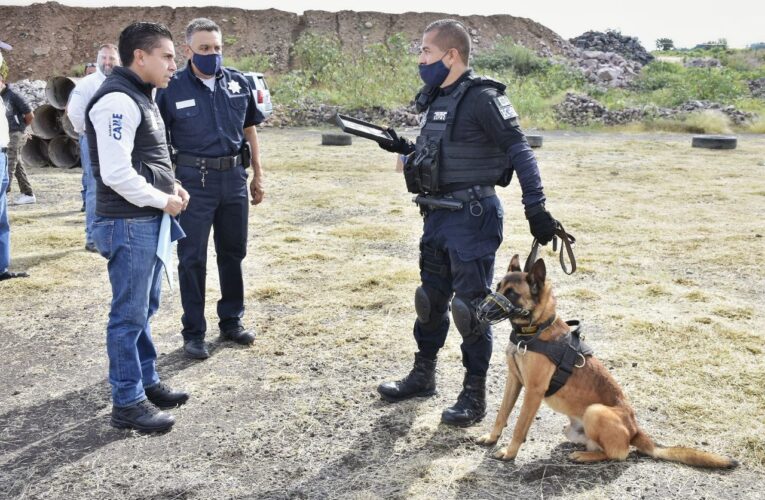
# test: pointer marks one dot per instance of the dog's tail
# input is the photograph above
(689, 456)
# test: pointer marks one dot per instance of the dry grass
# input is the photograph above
(670, 288)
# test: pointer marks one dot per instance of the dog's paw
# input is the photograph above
(503, 454)
(577, 456)
(487, 439)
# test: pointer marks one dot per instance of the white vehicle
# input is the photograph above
(260, 92)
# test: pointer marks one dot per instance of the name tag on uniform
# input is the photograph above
(185, 104)
(504, 107)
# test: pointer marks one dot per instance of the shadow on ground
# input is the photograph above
(37, 440)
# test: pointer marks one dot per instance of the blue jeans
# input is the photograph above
(130, 245)
(219, 204)
(88, 189)
(5, 228)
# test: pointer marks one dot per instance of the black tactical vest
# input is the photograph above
(150, 156)
(438, 160)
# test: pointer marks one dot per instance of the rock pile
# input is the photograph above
(613, 41)
(703, 62)
(757, 88)
(578, 110)
(312, 114)
(32, 90)
(607, 69)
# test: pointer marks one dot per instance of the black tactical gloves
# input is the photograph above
(541, 223)
(400, 145)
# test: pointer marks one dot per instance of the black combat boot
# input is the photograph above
(421, 381)
(164, 397)
(471, 403)
(142, 416)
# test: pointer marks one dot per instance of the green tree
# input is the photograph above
(665, 44)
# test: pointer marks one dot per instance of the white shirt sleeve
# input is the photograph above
(115, 118)
(80, 97)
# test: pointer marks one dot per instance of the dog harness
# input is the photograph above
(567, 352)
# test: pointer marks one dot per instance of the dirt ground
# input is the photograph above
(670, 289)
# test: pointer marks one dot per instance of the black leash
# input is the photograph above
(567, 241)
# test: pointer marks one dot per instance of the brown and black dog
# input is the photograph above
(600, 414)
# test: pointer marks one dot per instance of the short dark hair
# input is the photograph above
(141, 35)
(451, 34)
(200, 24)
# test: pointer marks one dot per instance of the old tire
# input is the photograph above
(335, 140)
(714, 141)
(535, 141)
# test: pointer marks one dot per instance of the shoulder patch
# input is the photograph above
(505, 108)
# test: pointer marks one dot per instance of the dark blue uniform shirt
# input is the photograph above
(204, 123)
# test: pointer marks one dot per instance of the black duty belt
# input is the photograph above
(221, 163)
(456, 199)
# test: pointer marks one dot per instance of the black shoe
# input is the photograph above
(239, 335)
(7, 275)
(471, 403)
(196, 349)
(164, 397)
(142, 416)
(91, 247)
(421, 381)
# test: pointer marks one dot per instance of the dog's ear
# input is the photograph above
(515, 264)
(537, 276)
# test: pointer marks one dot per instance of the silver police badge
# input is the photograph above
(234, 87)
(504, 107)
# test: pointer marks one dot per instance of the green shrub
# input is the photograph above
(255, 62)
(508, 55)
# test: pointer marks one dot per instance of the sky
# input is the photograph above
(741, 22)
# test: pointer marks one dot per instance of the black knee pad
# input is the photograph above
(431, 306)
(466, 321)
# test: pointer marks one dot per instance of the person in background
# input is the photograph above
(5, 228)
(19, 115)
(108, 57)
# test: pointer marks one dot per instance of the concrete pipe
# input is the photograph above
(35, 152)
(47, 122)
(58, 90)
(66, 124)
(64, 152)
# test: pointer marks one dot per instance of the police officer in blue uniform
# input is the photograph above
(469, 142)
(210, 115)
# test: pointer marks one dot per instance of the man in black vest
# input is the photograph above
(135, 184)
(469, 142)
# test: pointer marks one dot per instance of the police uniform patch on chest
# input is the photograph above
(234, 87)
(506, 110)
(440, 116)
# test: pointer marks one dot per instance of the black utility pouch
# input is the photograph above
(426, 159)
(410, 175)
(246, 154)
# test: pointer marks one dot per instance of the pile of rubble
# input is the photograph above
(607, 69)
(703, 62)
(757, 88)
(312, 114)
(612, 41)
(579, 110)
(32, 90)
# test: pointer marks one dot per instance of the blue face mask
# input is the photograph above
(434, 74)
(209, 64)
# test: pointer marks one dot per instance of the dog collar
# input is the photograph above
(525, 331)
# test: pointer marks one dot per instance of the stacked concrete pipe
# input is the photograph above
(54, 140)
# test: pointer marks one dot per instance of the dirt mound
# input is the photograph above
(50, 39)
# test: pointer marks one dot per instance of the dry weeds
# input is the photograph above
(670, 289)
